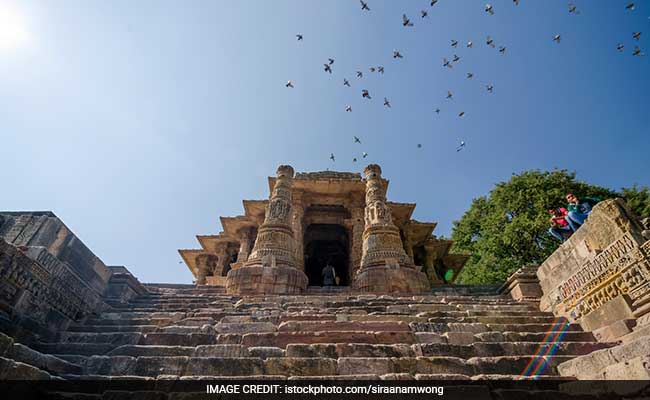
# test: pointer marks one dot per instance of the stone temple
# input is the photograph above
(258, 309)
(282, 244)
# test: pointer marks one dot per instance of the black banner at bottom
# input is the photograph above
(174, 389)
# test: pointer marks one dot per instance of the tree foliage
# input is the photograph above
(508, 228)
(638, 198)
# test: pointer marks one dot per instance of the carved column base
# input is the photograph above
(256, 279)
(391, 279)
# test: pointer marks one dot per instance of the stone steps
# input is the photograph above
(321, 335)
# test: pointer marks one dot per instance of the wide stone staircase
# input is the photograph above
(188, 332)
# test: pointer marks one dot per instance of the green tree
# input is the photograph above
(508, 228)
(638, 198)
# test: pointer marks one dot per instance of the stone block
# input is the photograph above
(217, 366)
(614, 310)
(110, 365)
(221, 350)
(152, 351)
(460, 338)
(635, 369)
(615, 330)
(154, 366)
(365, 365)
(266, 352)
(13, 370)
(300, 366)
(245, 327)
(45, 362)
(6, 343)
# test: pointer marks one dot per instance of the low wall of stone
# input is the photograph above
(602, 273)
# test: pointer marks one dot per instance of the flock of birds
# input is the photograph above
(407, 22)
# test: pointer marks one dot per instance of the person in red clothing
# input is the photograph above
(560, 228)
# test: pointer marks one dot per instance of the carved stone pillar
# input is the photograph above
(244, 245)
(430, 266)
(385, 266)
(205, 265)
(355, 226)
(298, 231)
(271, 267)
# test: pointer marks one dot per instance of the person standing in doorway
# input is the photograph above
(329, 275)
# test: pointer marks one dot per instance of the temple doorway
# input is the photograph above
(323, 244)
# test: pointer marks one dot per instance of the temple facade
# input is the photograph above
(281, 245)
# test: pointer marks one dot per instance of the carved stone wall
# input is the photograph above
(272, 266)
(606, 260)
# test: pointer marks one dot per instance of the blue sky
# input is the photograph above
(140, 123)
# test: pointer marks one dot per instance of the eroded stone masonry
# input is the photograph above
(259, 310)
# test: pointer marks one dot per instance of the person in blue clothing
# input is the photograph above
(579, 209)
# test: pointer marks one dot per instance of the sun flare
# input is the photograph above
(13, 30)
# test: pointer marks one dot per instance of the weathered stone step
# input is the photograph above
(490, 349)
(96, 337)
(282, 339)
(46, 362)
(320, 326)
(84, 349)
(480, 327)
(219, 350)
(245, 327)
(333, 350)
(516, 365)
(535, 337)
(113, 328)
(178, 339)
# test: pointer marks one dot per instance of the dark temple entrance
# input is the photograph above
(326, 243)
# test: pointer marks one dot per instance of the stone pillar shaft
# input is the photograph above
(271, 267)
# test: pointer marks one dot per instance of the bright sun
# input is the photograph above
(13, 32)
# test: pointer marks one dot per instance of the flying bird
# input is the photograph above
(359, 74)
(461, 113)
(502, 50)
(446, 63)
(380, 69)
(332, 157)
(364, 93)
(470, 75)
(489, 41)
(372, 69)
(489, 88)
(289, 84)
(516, 2)
(557, 38)
(460, 146)
(637, 51)
(456, 58)
(419, 145)
(620, 47)
(573, 9)
(357, 140)
(354, 159)
(636, 35)
(433, 2)
(406, 21)
(364, 5)
(328, 68)
(299, 37)
(424, 13)
(470, 44)
(454, 43)
(348, 108)
(331, 61)
(397, 54)
(489, 9)
(437, 111)
(346, 83)
(629, 6)
(386, 102)
(364, 154)
(449, 95)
